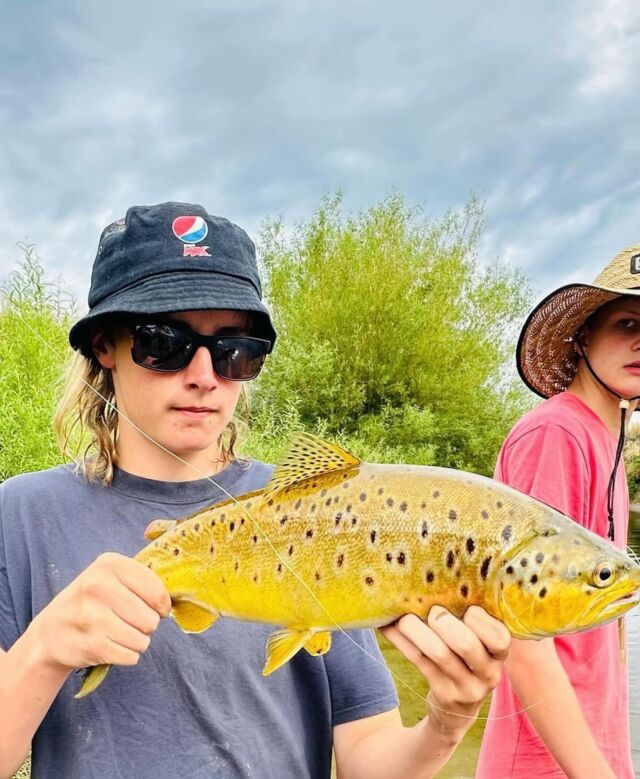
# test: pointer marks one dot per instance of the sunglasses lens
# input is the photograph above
(238, 358)
(161, 347)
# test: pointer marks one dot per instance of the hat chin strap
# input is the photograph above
(624, 405)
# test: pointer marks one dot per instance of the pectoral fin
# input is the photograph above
(282, 646)
(319, 643)
(191, 617)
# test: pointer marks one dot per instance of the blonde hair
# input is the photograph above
(86, 420)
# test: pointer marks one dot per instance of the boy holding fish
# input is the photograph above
(176, 324)
(562, 707)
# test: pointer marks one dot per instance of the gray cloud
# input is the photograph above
(257, 108)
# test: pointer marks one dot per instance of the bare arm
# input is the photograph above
(104, 616)
(444, 650)
(543, 687)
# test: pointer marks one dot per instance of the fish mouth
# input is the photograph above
(622, 604)
(616, 608)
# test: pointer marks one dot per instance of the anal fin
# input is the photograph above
(191, 617)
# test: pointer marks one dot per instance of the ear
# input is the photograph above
(102, 348)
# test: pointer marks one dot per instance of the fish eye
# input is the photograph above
(603, 575)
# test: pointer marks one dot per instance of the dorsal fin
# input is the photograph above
(309, 457)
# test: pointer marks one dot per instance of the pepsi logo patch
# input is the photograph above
(635, 263)
(191, 230)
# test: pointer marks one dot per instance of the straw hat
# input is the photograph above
(545, 355)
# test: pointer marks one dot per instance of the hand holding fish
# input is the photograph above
(461, 659)
(106, 615)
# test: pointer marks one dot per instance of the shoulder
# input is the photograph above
(252, 475)
(62, 477)
(562, 419)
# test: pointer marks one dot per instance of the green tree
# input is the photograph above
(34, 320)
(392, 337)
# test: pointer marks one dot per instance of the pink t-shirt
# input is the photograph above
(562, 453)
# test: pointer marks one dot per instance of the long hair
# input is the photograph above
(86, 420)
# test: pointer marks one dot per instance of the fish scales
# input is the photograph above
(333, 543)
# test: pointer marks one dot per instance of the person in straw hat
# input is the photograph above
(561, 709)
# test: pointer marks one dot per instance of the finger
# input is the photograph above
(130, 608)
(428, 643)
(115, 654)
(125, 636)
(144, 582)
(426, 666)
(493, 634)
(460, 639)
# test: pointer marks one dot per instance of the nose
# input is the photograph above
(199, 372)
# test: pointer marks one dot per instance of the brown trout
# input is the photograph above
(334, 543)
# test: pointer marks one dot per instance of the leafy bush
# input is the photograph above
(392, 338)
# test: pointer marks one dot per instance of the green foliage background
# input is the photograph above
(392, 338)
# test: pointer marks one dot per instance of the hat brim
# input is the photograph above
(545, 354)
(168, 293)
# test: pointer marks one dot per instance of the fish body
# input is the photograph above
(333, 543)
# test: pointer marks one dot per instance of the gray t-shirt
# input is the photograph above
(195, 705)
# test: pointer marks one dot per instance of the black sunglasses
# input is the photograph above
(169, 347)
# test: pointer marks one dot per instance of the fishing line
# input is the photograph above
(280, 558)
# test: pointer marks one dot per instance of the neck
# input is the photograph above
(141, 457)
(604, 403)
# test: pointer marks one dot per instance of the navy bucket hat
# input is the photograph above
(173, 257)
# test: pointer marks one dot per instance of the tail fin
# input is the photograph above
(92, 679)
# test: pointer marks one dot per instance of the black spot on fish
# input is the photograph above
(363, 496)
(223, 517)
(313, 508)
(176, 552)
(555, 558)
(336, 499)
(509, 569)
(284, 519)
(270, 502)
(242, 521)
(506, 532)
(464, 590)
(389, 557)
(524, 562)
(471, 545)
(183, 533)
(254, 539)
(534, 578)
(373, 536)
(543, 592)
(354, 521)
(485, 514)
(380, 490)
(290, 550)
(423, 505)
(436, 494)
(338, 518)
(249, 505)
(196, 527)
(317, 576)
(450, 559)
(539, 557)
(279, 567)
(453, 515)
(236, 566)
(323, 493)
(369, 580)
(255, 577)
(390, 502)
(340, 560)
(425, 530)
(298, 503)
(458, 574)
(232, 526)
(520, 583)
(348, 509)
(429, 577)
(327, 502)
(403, 505)
(402, 558)
(576, 541)
(309, 533)
(499, 504)
(213, 523)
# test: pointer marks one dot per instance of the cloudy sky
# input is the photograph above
(258, 108)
